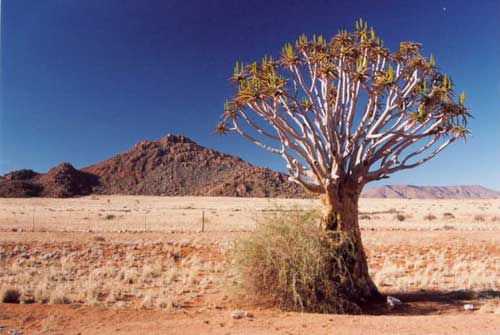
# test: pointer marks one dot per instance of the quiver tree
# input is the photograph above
(343, 113)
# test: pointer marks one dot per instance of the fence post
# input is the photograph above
(33, 220)
(256, 219)
(202, 221)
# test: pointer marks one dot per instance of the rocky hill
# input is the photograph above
(431, 192)
(60, 182)
(174, 165)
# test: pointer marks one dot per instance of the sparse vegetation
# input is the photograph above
(132, 272)
(109, 217)
(441, 268)
(287, 260)
(148, 275)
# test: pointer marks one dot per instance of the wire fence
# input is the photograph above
(40, 219)
(156, 214)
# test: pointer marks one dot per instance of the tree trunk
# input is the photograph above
(342, 215)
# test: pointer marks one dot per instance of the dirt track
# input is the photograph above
(84, 320)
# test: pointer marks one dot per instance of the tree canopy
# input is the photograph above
(346, 108)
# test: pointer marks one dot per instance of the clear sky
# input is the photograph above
(85, 79)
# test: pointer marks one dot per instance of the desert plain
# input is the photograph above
(159, 265)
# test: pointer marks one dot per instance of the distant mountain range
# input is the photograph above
(175, 165)
(431, 192)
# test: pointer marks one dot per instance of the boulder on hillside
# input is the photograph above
(24, 174)
(19, 189)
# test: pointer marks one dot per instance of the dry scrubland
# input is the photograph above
(119, 261)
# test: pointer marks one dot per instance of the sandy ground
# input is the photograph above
(84, 320)
(153, 271)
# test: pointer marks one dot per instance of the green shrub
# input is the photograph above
(290, 262)
(11, 296)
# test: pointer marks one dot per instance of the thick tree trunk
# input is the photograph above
(342, 215)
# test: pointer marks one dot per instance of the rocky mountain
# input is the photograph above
(431, 192)
(174, 165)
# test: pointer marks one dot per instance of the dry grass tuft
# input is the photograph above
(289, 261)
(430, 217)
(11, 296)
(59, 296)
(400, 217)
(479, 218)
(99, 238)
(448, 215)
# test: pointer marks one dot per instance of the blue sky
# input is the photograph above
(84, 80)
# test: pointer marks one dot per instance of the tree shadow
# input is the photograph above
(431, 302)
